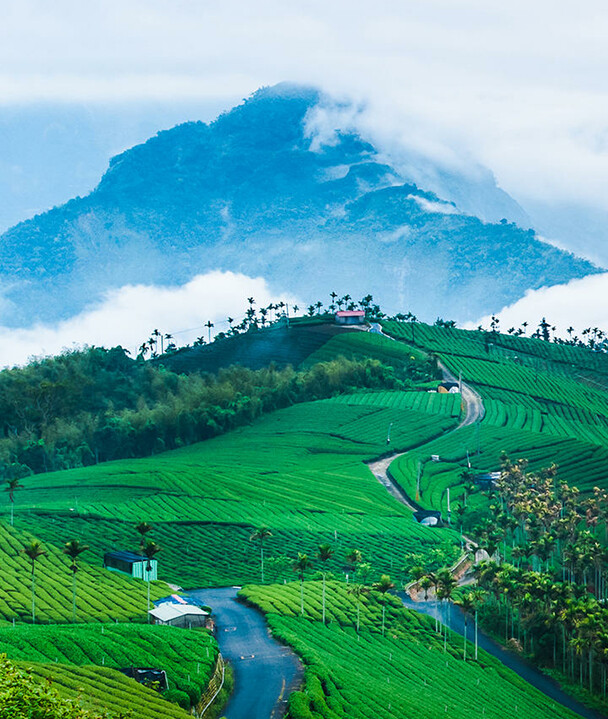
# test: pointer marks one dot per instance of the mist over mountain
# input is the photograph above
(260, 191)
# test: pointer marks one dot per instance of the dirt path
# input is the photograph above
(474, 412)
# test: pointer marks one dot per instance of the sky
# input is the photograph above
(519, 87)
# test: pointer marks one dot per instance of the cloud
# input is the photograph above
(578, 304)
(520, 86)
(127, 315)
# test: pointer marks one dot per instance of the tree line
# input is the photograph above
(85, 407)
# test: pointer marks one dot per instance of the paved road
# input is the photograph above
(264, 670)
(528, 672)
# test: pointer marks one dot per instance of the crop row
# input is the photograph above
(107, 690)
(102, 595)
(404, 673)
(428, 402)
(188, 657)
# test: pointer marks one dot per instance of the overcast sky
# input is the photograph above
(522, 84)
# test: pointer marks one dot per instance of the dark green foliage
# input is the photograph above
(81, 408)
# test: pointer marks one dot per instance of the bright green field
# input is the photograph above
(102, 596)
(402, 674)
(300, 471)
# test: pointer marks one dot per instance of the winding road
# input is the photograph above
(525, 670)
(265, 672)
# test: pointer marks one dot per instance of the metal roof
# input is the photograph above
(350, 313)
(166, 612)
(130, 557)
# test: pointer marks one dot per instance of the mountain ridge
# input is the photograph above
(255, 192)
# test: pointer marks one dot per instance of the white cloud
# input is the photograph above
(127, 316)
(579, 304)
(521, 85)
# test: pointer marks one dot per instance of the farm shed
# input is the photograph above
(448, 387)
(179, 615)
(428, 518)
(134, 565)
(145, 675)
(350, 317)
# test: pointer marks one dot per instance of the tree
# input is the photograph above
(358, 590)
(12, 486)
(150, 550)
(353, 558)
(209, 324)
(445, 588)
(300, 566)
(34, 550)
(260, 535)
(324, 554)
(383, 586)
(466, 603)
(74, 549)
(143, 528)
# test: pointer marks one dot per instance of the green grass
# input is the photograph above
(106, 690)
(404, 673)
(102, 596)
(299, 471)
(188, 657)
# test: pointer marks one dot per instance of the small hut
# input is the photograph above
(134, 565)
(179, 615)
(350, 317)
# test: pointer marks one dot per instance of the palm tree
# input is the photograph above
(445, 588)
(466, 603)
(383, 586)
(143, 528)
(478, 597)
(34, 551)
(358, 590)
(259, 536)
(425, 584)
(74, 549)
(209, 324)
(353, 558)
(300, 566)
(149, 551)
(324, 554)
(12, 486)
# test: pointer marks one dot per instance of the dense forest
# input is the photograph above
(84, 407)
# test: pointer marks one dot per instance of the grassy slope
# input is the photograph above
(545, 402)
(299, 471)
(101, 595)
(404, 673)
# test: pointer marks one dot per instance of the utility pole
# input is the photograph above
(388, 434)
(418, 481)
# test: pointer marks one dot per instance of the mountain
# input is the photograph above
(258, 192)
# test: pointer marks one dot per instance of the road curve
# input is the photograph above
(265, 672)
(526, 671)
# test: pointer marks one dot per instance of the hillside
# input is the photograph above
(300, 476)
(257, 191)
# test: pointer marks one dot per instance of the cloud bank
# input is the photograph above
(128, 315)
(580, 304)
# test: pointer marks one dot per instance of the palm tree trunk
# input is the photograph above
(358, 615)
(323, 598)
(383, 615)
(476, 643)
(464, 653)
(74, 597)
(33, 595)
(148, 597)
(262, 560)
(12, 512)
(302, 597)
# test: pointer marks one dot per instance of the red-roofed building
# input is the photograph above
(350, 317)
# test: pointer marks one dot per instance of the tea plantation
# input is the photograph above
(302, 473)
(404, 673)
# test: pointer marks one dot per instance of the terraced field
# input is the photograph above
(299, 471)
(403, 673)
(82, 662)
(102, 596)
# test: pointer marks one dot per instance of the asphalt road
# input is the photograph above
(264, 671)
(528, 672)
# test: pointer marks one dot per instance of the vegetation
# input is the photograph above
(408, 671)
